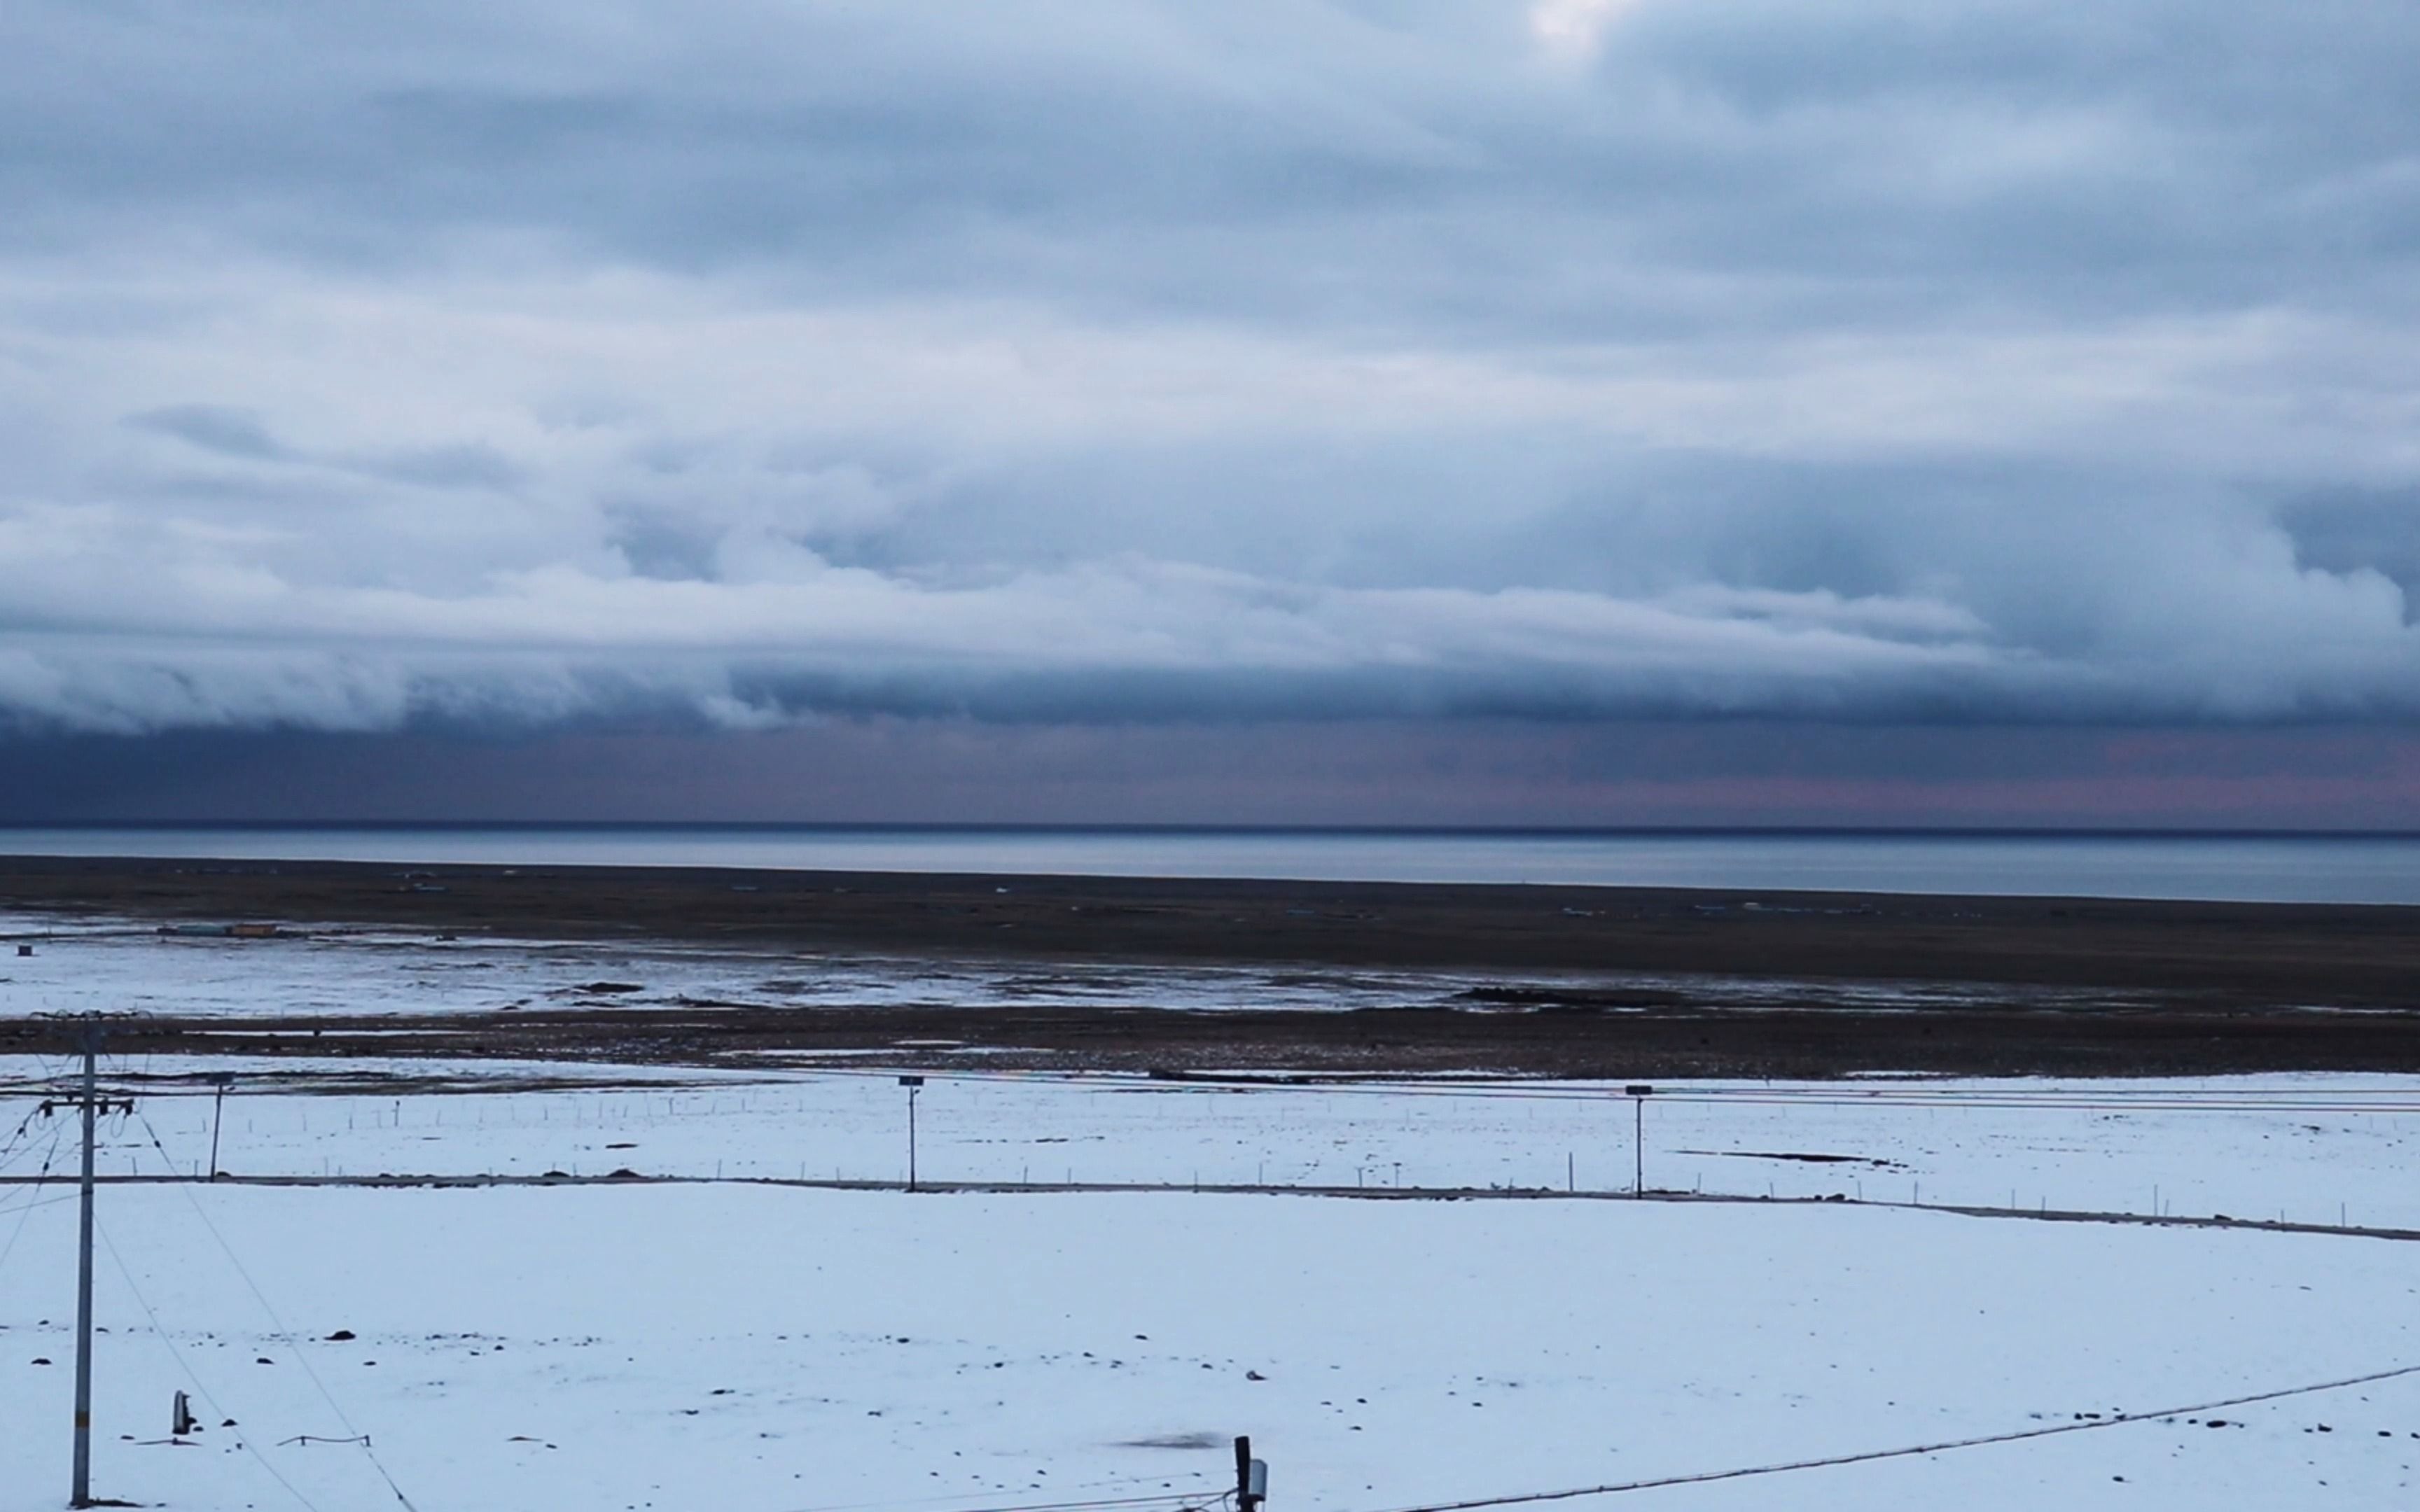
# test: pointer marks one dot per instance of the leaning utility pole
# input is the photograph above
(222, 1080)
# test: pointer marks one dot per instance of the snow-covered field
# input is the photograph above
(770, 1349)
(750, 1346)
(761, 1347)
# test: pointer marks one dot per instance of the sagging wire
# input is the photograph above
(19, 1133)
(1086, 1486)
(1871, 1456)
(32, 1203)
(1124, 1504)
(177, 1353)
(282, 1334)
(25, 1214)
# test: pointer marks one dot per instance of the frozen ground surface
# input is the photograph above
(2318, 1149)
(85, 965)
(751, 1347)
(728, 1347)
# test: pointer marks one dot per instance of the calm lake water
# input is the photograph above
(2248, 868)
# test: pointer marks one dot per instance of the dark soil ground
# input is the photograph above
(2144, 987)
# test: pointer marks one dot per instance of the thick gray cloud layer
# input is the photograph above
(736, 361)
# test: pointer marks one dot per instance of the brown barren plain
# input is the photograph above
(2010, 986)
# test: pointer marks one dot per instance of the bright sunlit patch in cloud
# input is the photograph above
(1576, 28)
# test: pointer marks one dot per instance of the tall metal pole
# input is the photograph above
(913, 1084)
(1639, 1092)
(81, 1493)
(217, 1116)
(1638, 1145)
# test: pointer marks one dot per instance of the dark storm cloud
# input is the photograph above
(2353, 530)
(1582, 359)
(1325, 772)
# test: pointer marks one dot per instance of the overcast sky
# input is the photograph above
(789, 383)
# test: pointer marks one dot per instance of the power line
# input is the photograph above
(1871, 1455)
(2365, 1101)
(32, 1203)
(178, 1353)
(2389, 1099)
(1124, 1504)
(24, 1214)
(1086, 1486)
(19, 1133)
(284, 1335)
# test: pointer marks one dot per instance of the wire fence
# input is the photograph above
(2314, 1154)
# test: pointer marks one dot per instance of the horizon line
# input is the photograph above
(1022, 827)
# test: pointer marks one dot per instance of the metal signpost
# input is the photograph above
(222, 1080)
(1639, 1093)
(913, 1084)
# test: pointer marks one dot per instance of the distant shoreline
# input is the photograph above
(814, 826)
(2245, 866)
(2145, 988)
